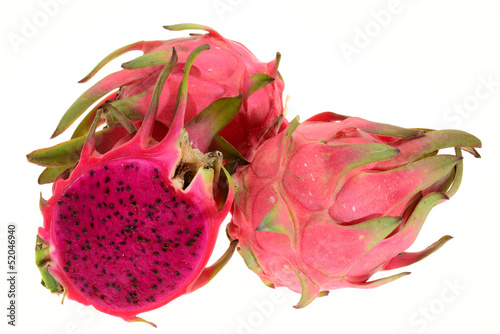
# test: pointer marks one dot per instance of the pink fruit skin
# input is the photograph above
(223, 71)
(340, 200)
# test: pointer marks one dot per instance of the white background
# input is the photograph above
(411, 69)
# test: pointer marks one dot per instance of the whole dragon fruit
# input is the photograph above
(227, 69)
(131, 229)
(328, 203)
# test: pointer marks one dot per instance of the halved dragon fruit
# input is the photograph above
(131, 229)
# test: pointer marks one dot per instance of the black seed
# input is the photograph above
(187, 231)
(152, 298)
(104, 271)
(156, 262)
(66, 269)
(68, 263)
(118, 288)
(155, 271)
(134, 286)
(75, 257)
(130, 214)
(120, 201)
(158, 200)
(91, 197)
(77, 237)
(156, 253)
(129, 188)
(120, 182)
(60, 202)
(176, 245)
(143, 250)
(189, 216)
(77, 223)
(111, 206)
(84, 259)
(84, 230)
(99, 244)
(166, 264)
(134, 280)
(69, 242)
(176, 273)
(92, 173)
(106, 191)
(107, 179)
(66, 195)
(170, 223)
(139, 238)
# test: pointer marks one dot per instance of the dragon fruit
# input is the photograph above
(227, 69)
(327, 203)
(129, 230)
